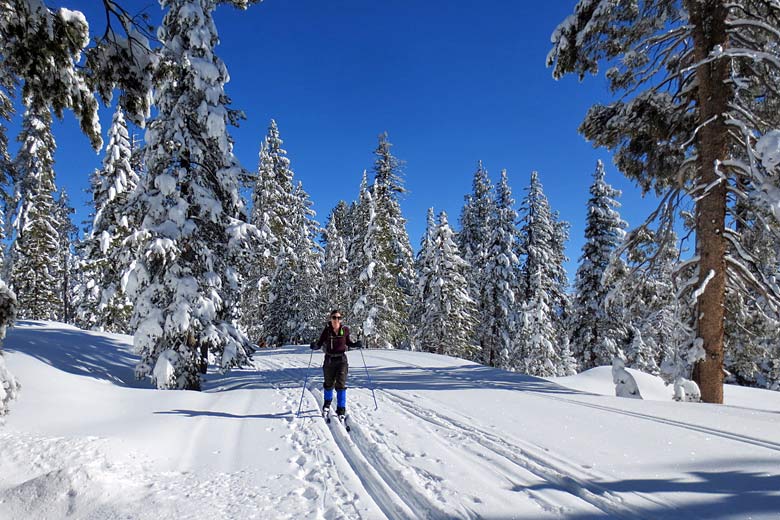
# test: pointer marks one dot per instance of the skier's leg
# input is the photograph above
(329, 377)
(341, 389)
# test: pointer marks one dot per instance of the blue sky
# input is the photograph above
(452, 82)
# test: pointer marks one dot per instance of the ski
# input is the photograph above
(328, 415)
(343, 420)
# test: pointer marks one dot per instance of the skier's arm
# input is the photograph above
(316, 345)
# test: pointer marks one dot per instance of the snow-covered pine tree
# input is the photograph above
(393, 244)
(592, 319)
(104, 253)
(272, 206)
(335, 269)
(501, 282)
(66, 232)
(295, 305)
(691, 72)
(473, 242)
(645, 293)
(753, 335)
(568, 365)
(41, 49)
(445, 313)
(340, 216)
(9, 387)
(185, 281)
(6, 167)
(359, 216)
(375, 313)
(309, 254)
(640, 352)
(561, 298)
(424, 271)
(35, 272)
(278, 325)
(540, 329)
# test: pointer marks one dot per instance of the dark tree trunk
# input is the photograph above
(709, 20)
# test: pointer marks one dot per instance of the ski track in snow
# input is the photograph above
(521, 455)
(395, 486)
(394, 501)
(408, 460)
(394, 498)
(754, 441)
(316, 465)
(524, 456)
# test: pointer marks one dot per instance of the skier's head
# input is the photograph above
(335, 316)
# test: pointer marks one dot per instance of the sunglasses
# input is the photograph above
(335, 317)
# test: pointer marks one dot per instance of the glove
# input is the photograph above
(314, 346)
(357, 345)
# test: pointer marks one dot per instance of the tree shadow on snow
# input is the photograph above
(64, 348)
(211, 413)
(461, 377)
(718, 495)
(404, 378)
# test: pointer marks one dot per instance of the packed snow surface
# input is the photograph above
(450, 439)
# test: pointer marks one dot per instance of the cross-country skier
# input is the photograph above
(335, 338)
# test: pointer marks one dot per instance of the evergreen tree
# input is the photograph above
(561, 298)
(6, 169)
(359, 215)
(104, 256)
(424, 270)
(646, 295)
(295, 302)
(335, 269)
(35, 271)
(66, 260)
(375, 313)
(310, 307)
(446, 313)
(540, 328)
(473, 242)
(273, 204)
(41, 49)
(185, 281)
(568, 365)
(501, 282)
(592, 320)
(9, 387)
(340, 216)
(393, 244)
(752, 354)
(694, 71)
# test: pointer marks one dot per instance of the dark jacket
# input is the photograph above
(335, 342)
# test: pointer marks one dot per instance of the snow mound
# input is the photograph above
(599, 381)
(57, 495)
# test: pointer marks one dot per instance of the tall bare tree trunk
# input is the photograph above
(709, 20)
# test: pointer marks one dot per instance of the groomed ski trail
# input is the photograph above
(403, 491)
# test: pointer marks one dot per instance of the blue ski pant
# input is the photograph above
(335, 371)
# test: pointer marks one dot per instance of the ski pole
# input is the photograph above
(305, 380)
(371, 385)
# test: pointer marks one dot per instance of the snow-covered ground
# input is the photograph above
(450, 439)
